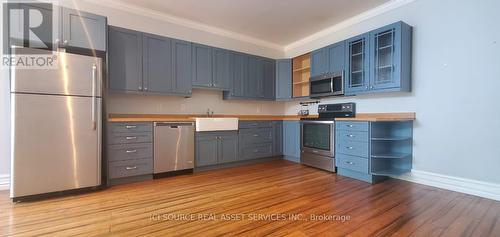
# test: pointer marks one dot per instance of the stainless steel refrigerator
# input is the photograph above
(56, 126)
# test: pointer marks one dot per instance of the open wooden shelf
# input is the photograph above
(302, 69)
(301, 66)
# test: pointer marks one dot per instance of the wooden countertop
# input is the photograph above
(379, 117)
(192, 117)
(373, 117)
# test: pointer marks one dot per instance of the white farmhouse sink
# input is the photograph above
(216, 124)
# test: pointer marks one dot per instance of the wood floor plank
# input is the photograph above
(276, 198)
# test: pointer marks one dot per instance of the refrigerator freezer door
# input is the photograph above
(75, 75)
(54, 145)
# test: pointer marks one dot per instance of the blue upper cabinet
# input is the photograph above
(269, 81)
(125, 60)
(211, 67)
(239, 75)
(181, 58)
(146, 63)
(390, 58)
(83, 30)
(379, 61)
(320, 62)
(157, 64)
(336, 55)
(255, 73)
(221, 69)
(283, 79)
(202, 66)
(357, 64)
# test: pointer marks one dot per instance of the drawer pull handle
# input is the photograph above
(130, 126)
(349, 162)
(256, 135)
(131, 167)
(130, 138)
(350, 135)
(349, 147)
(255, 124)
(255, 151)
(131, 151)
(350, 125)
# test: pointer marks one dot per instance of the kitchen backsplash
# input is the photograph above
(200, 101)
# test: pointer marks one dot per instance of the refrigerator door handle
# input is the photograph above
(94, 82)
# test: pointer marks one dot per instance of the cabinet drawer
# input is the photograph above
(352, 126)
(122, 138)
(255, 124)
(255, 136)
(352, 163)
(353, 148)
(344, 135)
(130, 151)
(120, 169)
(129, 127)
(257, 151)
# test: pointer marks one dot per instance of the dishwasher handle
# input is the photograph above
(173, 124)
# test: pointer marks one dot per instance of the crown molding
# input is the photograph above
(116, 4)
(393, 4)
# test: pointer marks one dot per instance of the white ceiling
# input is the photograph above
(278, 22)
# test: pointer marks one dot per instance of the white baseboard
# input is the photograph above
(4, 182)
(468, 186)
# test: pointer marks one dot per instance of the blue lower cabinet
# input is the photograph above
(373, 151)
(129, 152)
(214, 148)
(291, 140)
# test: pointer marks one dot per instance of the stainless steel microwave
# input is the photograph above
(331, 84)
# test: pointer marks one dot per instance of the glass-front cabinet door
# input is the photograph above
(357, 64)
(385, 58)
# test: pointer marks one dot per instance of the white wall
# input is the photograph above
(456, 85)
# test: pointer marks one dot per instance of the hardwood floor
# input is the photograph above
(276, 198)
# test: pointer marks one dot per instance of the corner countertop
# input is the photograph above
(192, 117)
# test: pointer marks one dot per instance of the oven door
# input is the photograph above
(317, 137)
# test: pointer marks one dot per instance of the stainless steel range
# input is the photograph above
(317, 136)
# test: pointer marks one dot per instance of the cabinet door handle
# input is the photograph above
(256, 135)
(349, 147)
(130, 126)
(131, 151)
(349, 162)
(131, 167)
(350, 135)
(130, 138)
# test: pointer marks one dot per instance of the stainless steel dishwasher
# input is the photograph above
(173, 147)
